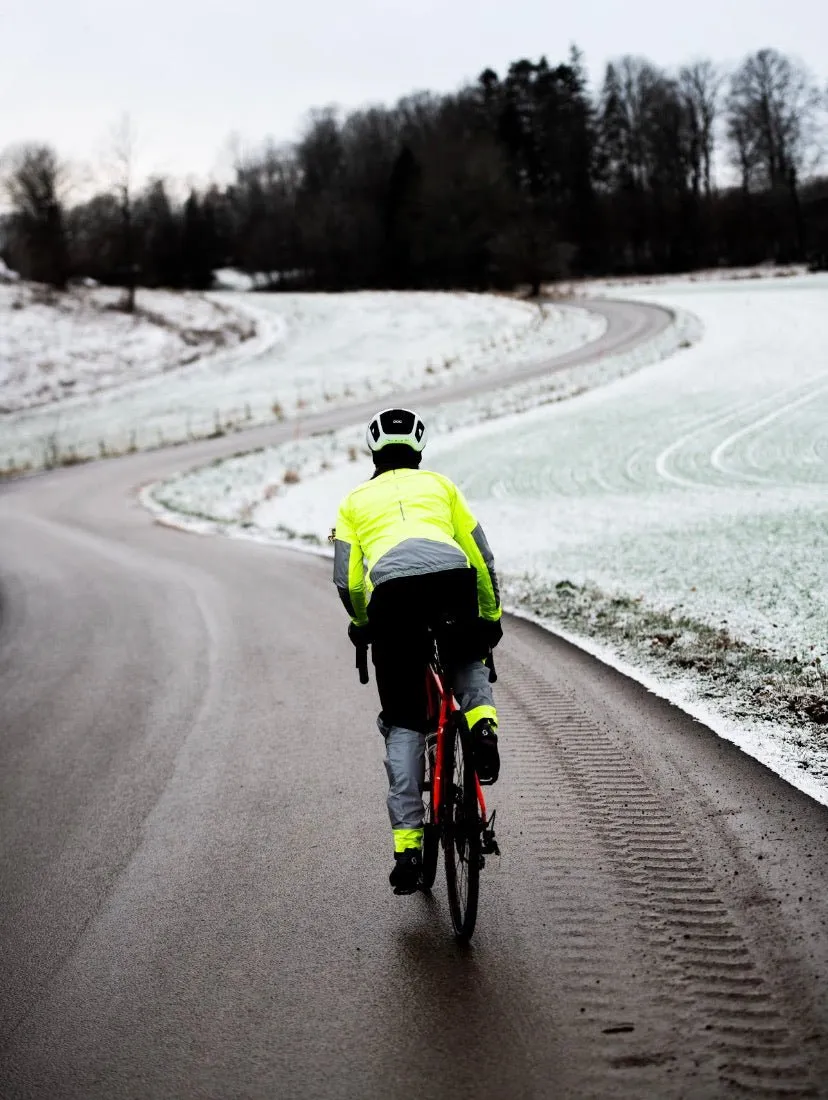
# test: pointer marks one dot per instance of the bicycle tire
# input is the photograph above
(431, 837)
(461, 829)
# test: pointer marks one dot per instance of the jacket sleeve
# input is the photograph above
(470, 538)
(348, 575)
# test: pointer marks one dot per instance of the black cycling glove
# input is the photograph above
(359, 635)
(490, 632)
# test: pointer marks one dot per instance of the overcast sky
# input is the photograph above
(190, 72)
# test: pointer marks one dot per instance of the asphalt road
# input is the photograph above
(194, 847)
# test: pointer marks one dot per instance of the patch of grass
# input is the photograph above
(180, 509)
(219, 429)
(290, 535)
(755, 682)
(12, 470)
(72, 458)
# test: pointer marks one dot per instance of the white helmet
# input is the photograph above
(396, 426)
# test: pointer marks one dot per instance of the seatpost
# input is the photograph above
(362, 663)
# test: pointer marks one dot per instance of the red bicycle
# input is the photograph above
(456, 817)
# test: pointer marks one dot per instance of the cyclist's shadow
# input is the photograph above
(428, 940)
(456, 995)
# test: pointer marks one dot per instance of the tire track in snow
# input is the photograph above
(717, 455)
(711, 422)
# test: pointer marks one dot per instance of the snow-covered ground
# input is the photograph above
(6, 273)
(703, 483)
(676, 518)
(254, 491)
(311, 351)
(614, 283)
(53, 346)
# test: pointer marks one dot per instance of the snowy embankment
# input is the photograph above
(54, 346)
(674, 520)
(310, 352)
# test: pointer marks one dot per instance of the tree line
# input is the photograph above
(515, 179)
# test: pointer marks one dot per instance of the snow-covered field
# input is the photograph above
(703, 483)
(53, 346)
(676, 518)
(310, 352)
(254, 491)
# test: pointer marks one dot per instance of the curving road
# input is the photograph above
(193, 846)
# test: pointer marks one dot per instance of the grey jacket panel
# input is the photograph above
(482, 544)
(415, 557)
(341, 572)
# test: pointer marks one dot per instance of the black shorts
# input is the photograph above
(401, 613)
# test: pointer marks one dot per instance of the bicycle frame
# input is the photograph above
(442, 705)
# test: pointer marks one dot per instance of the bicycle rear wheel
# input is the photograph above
(461, 829)
(431, 840)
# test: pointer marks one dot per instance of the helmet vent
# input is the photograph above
(397, 422)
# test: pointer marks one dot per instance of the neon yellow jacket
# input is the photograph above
(404, 523)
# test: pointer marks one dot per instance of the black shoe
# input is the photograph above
(486, 756)
(408, 871)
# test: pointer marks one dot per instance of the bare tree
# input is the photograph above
(772, 113)
(35, 180)
(773, 108)
(263, 204)
(624, 113)
(701, 88)
(745, 150)
(122, 170)
(643, 119)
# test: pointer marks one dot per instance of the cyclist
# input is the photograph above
(410, 556)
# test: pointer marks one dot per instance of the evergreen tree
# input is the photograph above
(160, 238)
(197, 244)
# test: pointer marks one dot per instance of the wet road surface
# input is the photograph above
(194, 848)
